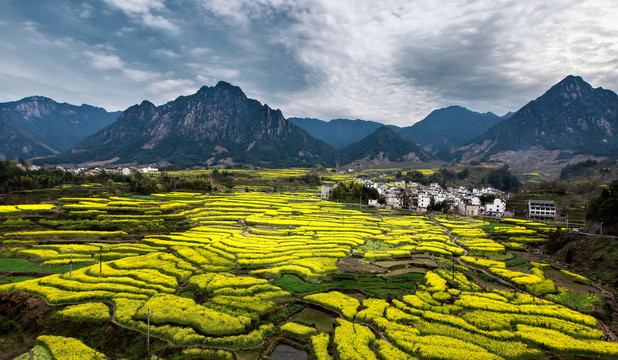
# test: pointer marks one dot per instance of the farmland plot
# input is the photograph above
(250, 262)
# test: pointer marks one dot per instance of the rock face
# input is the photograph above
(572, 117)
(16, 144)
(216, 126)
(383, 145)
(57, 126)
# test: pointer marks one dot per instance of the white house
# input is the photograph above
(148, 169)
(394, 201)
(374, 203)
(326, 189)
(424, 201)
(497, 208)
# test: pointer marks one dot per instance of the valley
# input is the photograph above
(245, 272)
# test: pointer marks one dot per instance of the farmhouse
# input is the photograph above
(497, 208)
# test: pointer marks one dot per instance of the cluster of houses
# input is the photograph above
(97, 170)
(419, 198)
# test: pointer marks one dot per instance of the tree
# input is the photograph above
(143, 184)
(503, 179)
(605, 208)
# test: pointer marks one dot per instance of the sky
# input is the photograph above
(387, 61)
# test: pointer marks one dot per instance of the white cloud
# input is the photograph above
(31, 26)
(140, 75)
(85, 11)
(146, 11)
(102, 61)
(198, 51)
(159, 22)
(171, 88)
(136, 7)
(395, 61)
(210, 73)
(99, 60)
(166, 53)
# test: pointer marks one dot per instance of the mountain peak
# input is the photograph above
(572, 88)
(217, 126)
(571, 115)
(383, 144)
(36, 98)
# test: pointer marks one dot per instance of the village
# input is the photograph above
(420, 198)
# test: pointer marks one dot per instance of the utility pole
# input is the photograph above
(100, 257)
(602, 222)
(148, 334)
(71, 264)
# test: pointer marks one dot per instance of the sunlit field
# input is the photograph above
(232, 275)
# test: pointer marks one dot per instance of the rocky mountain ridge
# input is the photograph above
(216, 126)
(572, 118)
(47, 127)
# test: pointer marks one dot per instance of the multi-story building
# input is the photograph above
(541, 210)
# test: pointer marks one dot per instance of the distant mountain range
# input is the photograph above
(39, 126)
(337, 133)
(446, 129)
(220, 126)
(439, 133)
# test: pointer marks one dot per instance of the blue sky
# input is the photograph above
(389, 61)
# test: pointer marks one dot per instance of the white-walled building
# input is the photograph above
(424, 201)
(326, 189)
(497, 208)
(148, 169)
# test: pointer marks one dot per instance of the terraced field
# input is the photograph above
(254, 270)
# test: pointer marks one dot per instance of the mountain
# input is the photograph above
(448, 128)
(384, 144)
(571, 117)
(338, 133)
(56, 125)
(216, 126)
(16, 144)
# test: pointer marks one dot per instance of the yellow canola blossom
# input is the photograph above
(66, 348)
(335, 300)
(91, 311)
(298, 330)
(319, 344)
(174, 309)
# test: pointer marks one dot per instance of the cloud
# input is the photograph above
(100, 61)
(208, 73)
(140, 75)
(134, 7)
(199, 51)
(172, 88)
(31, 26)
(146, 11)
(85, 11)
(395, 61)
(166, 53)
